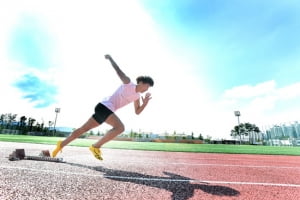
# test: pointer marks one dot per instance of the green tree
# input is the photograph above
(200, 137)
(245, 129)
(2, 120)
(22, 121)
(208, 139)
(11, 118)
(175, 135)
(238, 130)
(30, 123)
(249, 131)
(235, 132)
(256, 131)
(131, 134)
(252, 131)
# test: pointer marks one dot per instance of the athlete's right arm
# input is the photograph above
(138, 107)
(125, 79)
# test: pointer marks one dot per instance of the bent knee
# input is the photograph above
(120, 128)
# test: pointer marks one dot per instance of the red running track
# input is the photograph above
(127, 174)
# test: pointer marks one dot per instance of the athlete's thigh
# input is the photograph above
(90, 124)
(114, 120)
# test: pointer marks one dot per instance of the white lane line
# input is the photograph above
(217, 165)
(249, 183)
(230, 165)
(153, 179)
(148, 179)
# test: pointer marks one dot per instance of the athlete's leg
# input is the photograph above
(117, 128)
(90, 124)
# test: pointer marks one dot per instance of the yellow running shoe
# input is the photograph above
(96, 152)
(57, 149)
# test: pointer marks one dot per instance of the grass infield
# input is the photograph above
(154, 146)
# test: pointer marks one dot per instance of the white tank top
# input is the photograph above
(124, 95)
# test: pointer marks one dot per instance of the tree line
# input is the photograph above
(24, 124)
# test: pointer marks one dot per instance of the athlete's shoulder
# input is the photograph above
(130, 84)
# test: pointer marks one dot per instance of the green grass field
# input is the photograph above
(153, 146)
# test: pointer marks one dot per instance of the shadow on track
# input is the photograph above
(181, 187)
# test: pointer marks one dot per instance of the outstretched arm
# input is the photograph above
(138, 107)
(125, 79)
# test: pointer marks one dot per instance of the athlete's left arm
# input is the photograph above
(125, 79)
(138, 107)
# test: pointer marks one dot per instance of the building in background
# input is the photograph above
(286, 134)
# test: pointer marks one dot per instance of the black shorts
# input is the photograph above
(101, 113)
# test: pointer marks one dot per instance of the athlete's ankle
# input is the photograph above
(96, 146)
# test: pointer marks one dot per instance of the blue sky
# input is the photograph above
(30, 45)
(207, 57)
(247, 42)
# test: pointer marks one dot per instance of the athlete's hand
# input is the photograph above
(146, 98)
(107, 56)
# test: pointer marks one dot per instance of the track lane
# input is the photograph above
(127, 174)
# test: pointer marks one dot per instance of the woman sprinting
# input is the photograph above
(105, 110)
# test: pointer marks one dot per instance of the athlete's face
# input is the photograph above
(144, 87)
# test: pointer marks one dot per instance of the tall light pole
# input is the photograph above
(238, 114)
(57, 110)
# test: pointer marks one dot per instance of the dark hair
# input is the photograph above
(145, 79)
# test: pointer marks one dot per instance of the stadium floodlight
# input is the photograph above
(238, 114)
(57, 110)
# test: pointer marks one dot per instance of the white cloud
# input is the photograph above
(265, 103)
(289, 92)
(248, 91)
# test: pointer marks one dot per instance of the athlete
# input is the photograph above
(105, 110)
